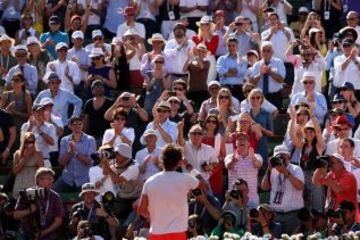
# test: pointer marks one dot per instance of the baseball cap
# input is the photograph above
(281, 149)
(61, 45)
(164, 104)
(77, 34)
(212, 83)
(129, 11)
(54, 20)
(96, 83)
(124, 150)
(303, 10)
(32, 40)
(96, 33)
(46, 101)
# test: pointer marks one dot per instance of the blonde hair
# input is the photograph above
(212, 26)
(256, 91)
(228, 92)
(26, 136)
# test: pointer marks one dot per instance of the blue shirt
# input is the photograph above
(226, 62)
(76, 173)
(61, 103)
(244, 42)
(114, 14)
(10, 12)
(30, 74)
(57, 38)
(320, 104)
(265, 120)
(277, 66)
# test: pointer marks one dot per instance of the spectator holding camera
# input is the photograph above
(245, 164)
(84, 231)
(91, 210)
(48, 207)
(340, 182)
(347, 221)
(352, 104)
(74, 155)
(198, 156)
(194, 227)
(263, 217)
(125, 174)
(206, 207)
(227, 224)
(285, 181)
(235, 201)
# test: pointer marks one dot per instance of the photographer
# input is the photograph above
(91, 210)
(227, 224)
(84, 231)
(206, 207)
(345, 219)
(126, 175)
(40, 214)
(263, 221)
(235, 202)
(195, 228)
(8, 225)
(341, 183)
(285, 181)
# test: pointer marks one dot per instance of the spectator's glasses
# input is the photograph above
(212, 121)
(62, 50)
(238, 24)
(174, 102)
(224, 97)
(162, 111)
(344, 89)
(97, 38)
(338, 102)
(351, 19)
(308, 82)
(339, 129)
(266, 50)
(119, 119)
(346, 45)
(96, 58)
(30, 141)
(178, 89)
(196, 133)
(17, 80)
(255, 98)
(159, 62)
(20, 55)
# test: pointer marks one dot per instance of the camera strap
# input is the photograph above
(45, 211)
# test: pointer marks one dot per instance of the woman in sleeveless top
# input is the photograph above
(26, 161)
(18, 102)
(27, 29)
(312, 146)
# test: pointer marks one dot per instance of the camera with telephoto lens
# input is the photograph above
(29, 195)
(254, 213)
(107, 201)
(106, 153)
(235, 194)
(275, 161)
(196, 192)
(322, 162)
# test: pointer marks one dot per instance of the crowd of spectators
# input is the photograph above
(161, 117)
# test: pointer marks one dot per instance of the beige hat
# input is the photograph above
(156, 37)
(5, 37)
(149, 132)
(164, 104)
(88, 187)
(127, 95)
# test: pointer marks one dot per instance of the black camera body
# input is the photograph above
(254, 213)
(196, 192)
(236, 194)
(30, 195)
(322, 162)
(275, 161)
(107, 200)
(106, 153)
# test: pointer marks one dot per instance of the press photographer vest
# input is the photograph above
(130, 189)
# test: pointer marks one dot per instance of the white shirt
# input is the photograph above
(292, 198)
(244, 168)
(349, 74)
(193, 3)
(197, 157)
(82, 58)
(317, 66)
(151, 168)
(279, 42)
(266, 105)
(168, 201)
(110, 133)
(56, 121)
(332, 147)
(135, 61)
(41, 145)
(169, 127)
(176, 56)
(60, 68)
(139, 28)
(189, 34)
(357, 28)
(95, 175)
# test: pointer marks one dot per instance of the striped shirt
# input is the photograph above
(244, 168)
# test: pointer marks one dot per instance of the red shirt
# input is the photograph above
(211, 45)
(215, 179)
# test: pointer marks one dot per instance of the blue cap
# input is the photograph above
(338, 98)
(348, 85)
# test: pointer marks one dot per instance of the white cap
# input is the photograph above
(77, 34)
(314, 30)
(281, 149)
(32, 40)
(96, 52)
(131, 32)
(308, 76)
(61, 45)
(124, 150)
(211, 83)
(96, 33)
(46, 101)
(303, 10)
(204, 20)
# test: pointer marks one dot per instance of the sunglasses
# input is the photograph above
(308, 82)
(266, 50)
(256, 97)
(97, 38)
(20, 55)
(119, 119)
(212, 121)
(162, 111)
(173, 102)
(125, 98)
(29, 142)
(54, 83)
(239, 24)
(243, 122)
(197, 133)
(346, 45)
(223, 97)
(62, 50)
(178, 89)
(96, 58)
(344, 89)
(341, 129)
(338, 102)
(159, 62)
